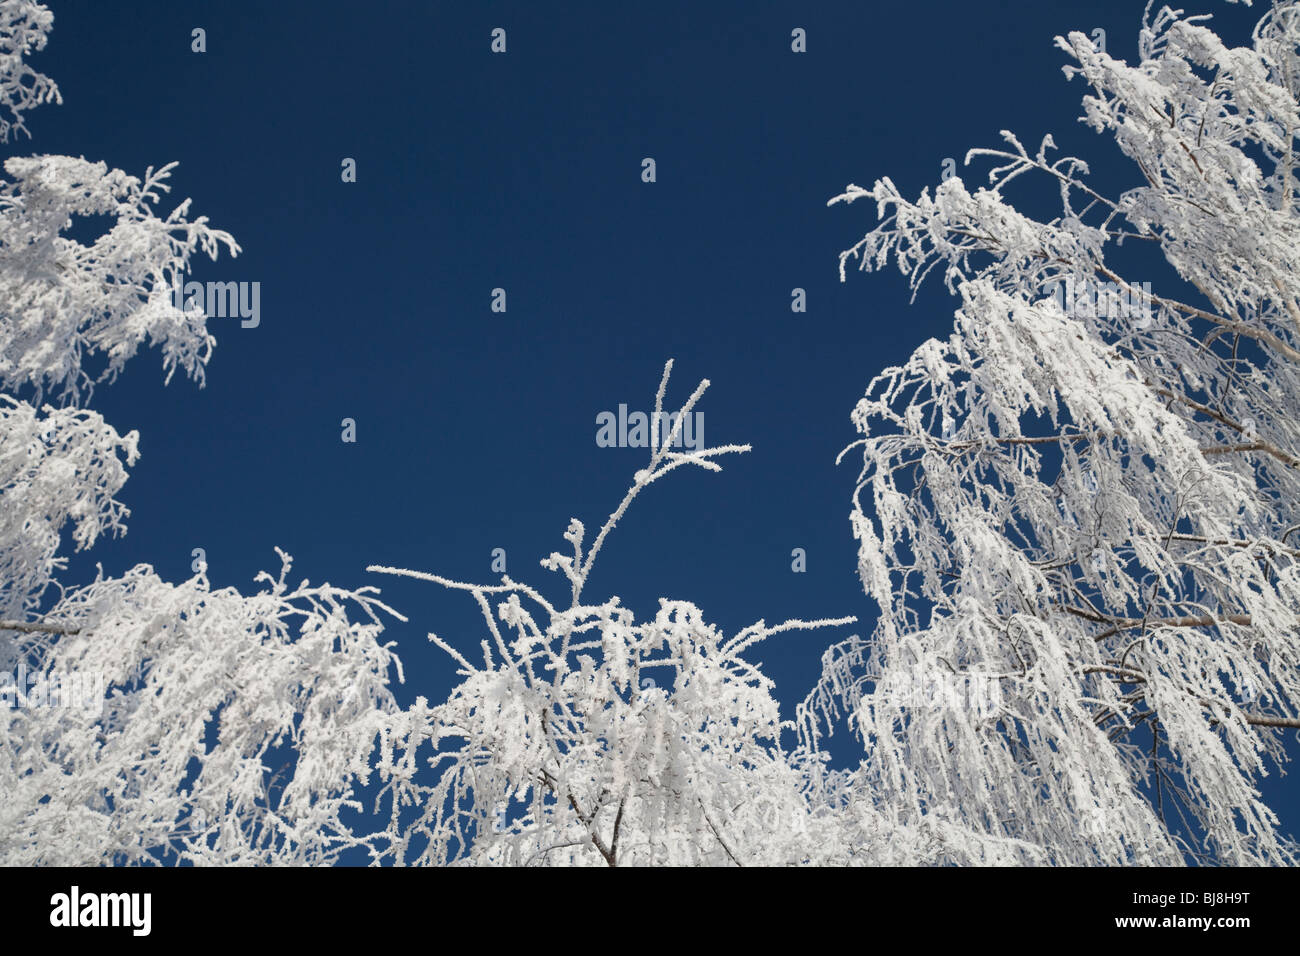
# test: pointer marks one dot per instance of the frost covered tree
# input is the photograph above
(1087, 498)
(142, 721)
(586, 737)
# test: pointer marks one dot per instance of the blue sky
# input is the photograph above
(476, 430)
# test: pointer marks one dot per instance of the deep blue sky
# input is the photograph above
(477, 430)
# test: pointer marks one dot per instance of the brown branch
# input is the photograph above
(1231, 542)
(1093, 616)
(613, 843)
(1203, 409)
(37, 628)
(1128, 676)
(1273, 721)
(1118, 624)
(590, 824)
(1289, 460)
(721, 842)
